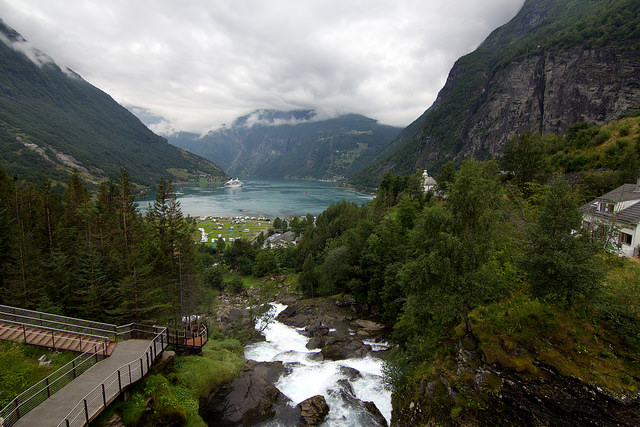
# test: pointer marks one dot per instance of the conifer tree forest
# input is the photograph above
(420, 262)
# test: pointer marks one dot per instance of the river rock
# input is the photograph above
(368, 412)
(313, 410)
(316, 342)
(317, 328)
(248, 400)
(351, 373)
(340, 349)
(270, 371)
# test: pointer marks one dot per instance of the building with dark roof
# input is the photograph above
(617, 211)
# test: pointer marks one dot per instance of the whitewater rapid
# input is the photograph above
(306, 377)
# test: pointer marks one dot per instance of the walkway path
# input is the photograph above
(54, 410)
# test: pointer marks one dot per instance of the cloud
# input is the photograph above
(200, 63)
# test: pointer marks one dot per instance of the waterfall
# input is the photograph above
(306, 376)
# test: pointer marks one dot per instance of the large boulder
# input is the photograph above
(340, 349)
(313, 410)
(367, 413)
(248, 400)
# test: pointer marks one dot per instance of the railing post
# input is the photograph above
(147, 354)
(141, 369)
(24, 330)
(66, 421)
(104, 396)
(119, 382)
(161, 340)
(46, 380)
(17, 408)
(129, 365)
(86, 411)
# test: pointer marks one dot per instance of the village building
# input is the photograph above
(617, 215)
(286, 239)
(428, 182)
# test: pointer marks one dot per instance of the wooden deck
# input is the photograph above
(57, 340)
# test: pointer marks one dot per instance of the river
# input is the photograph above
(306, 377)
(261, 197)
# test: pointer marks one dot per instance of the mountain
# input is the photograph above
(52, 122)
(557, 62)
(292, 144)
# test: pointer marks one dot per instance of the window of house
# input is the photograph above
(607, 207)
(625, 239)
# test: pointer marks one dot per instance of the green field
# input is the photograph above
(230, 228)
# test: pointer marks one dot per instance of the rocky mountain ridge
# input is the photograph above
(53, 122)
(556, 63)
(291, 144)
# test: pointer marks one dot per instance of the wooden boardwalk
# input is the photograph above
(54, 339)
(128, 363)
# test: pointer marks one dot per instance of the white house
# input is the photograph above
(428, 183)
(619, 211)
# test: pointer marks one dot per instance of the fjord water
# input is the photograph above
(261, 197)
(306, 377)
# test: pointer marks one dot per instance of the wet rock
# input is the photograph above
(313, 410)
(340, 349)
(351, 373)
(316, 342)
(317, 328)
(347, 301)
(368, 412)
(316, 357)
(371, 326)
(248, 400)
(270, 371)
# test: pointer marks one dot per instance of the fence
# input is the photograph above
(42, 390)
(56, 339)
(107, 391)
(57, 322)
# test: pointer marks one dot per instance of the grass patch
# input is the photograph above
(230, 228)
(174, 397)
(19, 367)
(521, 333)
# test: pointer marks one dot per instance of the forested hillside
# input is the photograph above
(556, 63)
(291, 144)
(502, 308)
(54, 122)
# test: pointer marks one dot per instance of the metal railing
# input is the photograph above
(45, 336)
(55, 321)
(191, 339)
(104, 393)
(108, 390)
(42, 390)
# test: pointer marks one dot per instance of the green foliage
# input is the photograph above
(561, 261)
(20, 369)
(236, 285)
(526, 156)
(452, 266)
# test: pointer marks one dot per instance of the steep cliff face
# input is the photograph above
(548, 92)
(556, 63)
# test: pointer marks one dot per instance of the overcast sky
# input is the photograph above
(202, 63)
